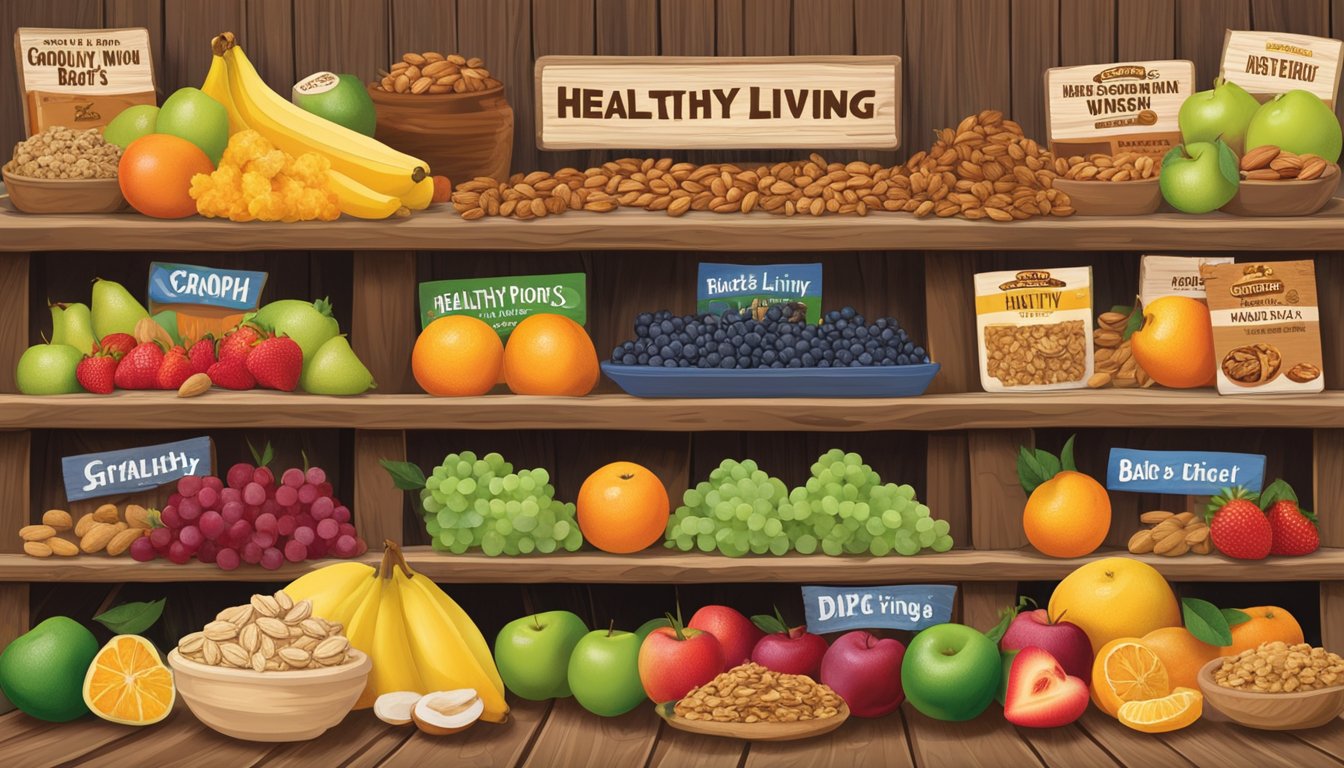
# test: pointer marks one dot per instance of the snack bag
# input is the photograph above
(1266, 326)
(1033, 328)
(1174, 276)
(81, 78)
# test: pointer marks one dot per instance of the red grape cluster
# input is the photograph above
(252, 519)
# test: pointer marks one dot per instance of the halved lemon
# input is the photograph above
(128, 683)
(1125, 670)
(1172, 712)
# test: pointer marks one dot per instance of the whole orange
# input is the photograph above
(457, 356)
(1067, 515)
(155, 175)
(1182, 653)
(622, 508)
(1268, 623)
(1175, 344)
(550, 355)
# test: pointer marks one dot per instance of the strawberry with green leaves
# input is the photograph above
(1238, 527)
(1294, 528)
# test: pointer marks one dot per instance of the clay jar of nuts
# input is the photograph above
(448, 110)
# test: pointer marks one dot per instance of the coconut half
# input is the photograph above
(445, 712)
(395, 708)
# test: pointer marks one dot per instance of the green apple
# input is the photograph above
(1297, 121)
(604, 672)
(342, 99)
(192, 115)
(48, 369)
(130, 124)
(335, 369)
(1199, 177)
(1223, 112)
(951, 672)
(115, 310)
(650, 625)
(533, 654)
(42, 672)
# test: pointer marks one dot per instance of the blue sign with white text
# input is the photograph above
(1188, 473)
(236, 289)
(111, 473)
(909, 606)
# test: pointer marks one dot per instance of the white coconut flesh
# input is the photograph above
(395, 708)
(445, 712)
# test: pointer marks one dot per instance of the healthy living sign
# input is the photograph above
(912, 607)
(718, 102)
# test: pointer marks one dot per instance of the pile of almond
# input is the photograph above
(1126, 166)
(269, 633)
(103, 530)
(435, 73)
(1171, 535)
(1269, 163)
(1113, 363)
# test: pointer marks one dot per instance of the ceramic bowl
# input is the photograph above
(1284, 198)
(270, 706)
(64, 195)
(1272, 711)
(1112, 198)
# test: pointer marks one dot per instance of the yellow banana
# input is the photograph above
(329, 586)
(420, 195)
(216, 86)
(394, 667)
(296, 131)
(466, 628)
(355, 199)
(361, 632)
(344, 612)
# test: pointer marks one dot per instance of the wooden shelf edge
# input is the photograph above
(661, 566)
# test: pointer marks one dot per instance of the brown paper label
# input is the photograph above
(1174, 276)
(1269, 63)
(1114, 108)
(1266, 326)
(81, 78)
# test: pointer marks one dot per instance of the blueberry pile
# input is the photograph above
(734, 340)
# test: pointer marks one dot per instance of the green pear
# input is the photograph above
(335, 369)
(115, 310)
(309, 323)
(72, 325)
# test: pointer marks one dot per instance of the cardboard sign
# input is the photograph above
(1114, 108)
(113, 473)
(1183, 473)
(911, 606)
(753, 289)
(1161, 276)
(206, 300)
(82, 78)
(503, 302)
(1269, 63)
(679, 102)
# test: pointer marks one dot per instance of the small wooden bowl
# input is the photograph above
(1272, 711)
(803, 729)
(1112, 198)
(63, 195)
(1284, 198)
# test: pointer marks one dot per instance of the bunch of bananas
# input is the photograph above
(371, 180)
(417, 637)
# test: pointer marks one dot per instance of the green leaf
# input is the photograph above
(264, 457)
(1029, 470)
(1235, 617)
(768, 624)
(1279, 490)
(1227, 162)
(1049, 462)
(1175, 153)
(1066, 455)
(1006, 616)
(131, 618)
(1134, 324)
(405, 475)
(1121, 309)
(1206, 622)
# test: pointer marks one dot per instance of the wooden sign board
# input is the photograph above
(1270, 63)
(785, 102)
(1115, 108)
(128, 471)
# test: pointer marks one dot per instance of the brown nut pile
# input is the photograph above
(1126, 166)
(1022, 355)
(102, 530)
(272, 633)
(436, 73)
(1113, 363)
(1281, 668)
(1254, 364)
(1269, 163)
(750, 693)
(64, 153)
(1171, 535)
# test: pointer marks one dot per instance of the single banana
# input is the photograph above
(344, 611)
(421, 194)
(466, 628)
(355, 199)
(328, 586)
(394, 667)
(296, 131)
(361, 631)
(216, 86)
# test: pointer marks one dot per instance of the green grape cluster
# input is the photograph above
(735, 511)
(481, 502)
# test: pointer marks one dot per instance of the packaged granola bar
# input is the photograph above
(81, 78)
(1266, 326)
(1033, 329)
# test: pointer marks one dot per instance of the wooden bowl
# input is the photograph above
(803, 729)
(1284, 198)
(1112, 198)
(63, 195)
(1272, 711)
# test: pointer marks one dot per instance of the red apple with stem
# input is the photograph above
(865, 672)
(735, 632)
(1064, 640)
(790, 651)
(675, 659)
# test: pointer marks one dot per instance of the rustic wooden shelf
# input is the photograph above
(1080, 409)
(443, 230)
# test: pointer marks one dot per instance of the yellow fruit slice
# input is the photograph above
(1125, 670)
(1168, 713)
(128, 683)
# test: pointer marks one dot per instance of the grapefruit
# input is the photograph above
(1115, 597)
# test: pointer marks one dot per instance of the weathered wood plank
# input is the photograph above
(1303, 17)
(181, 740)
(378, 503)
(679, 749)
(1146, 30)
(996, 497)
(423, 25)
(1200, 25)
(823, 27)
(1069, 745)
(16, 478)
(1121, 742)
(349, 36)
(571, 736)
(1034, 49)
(982, 601)
(358, 735)
(188, 26)
(485, 746)
(626, 27)
(138, 13)
(930, 68)
(950, 319)
(70, 14)
(500, 31)
(564, 27)
(1210, 743)
(859, 743)
(1332, 614)
(384, 321)
(768, 24)
(1087, 32)
(985, 742)
(14, 294)
(947, 489)
(32, 743)
(269, 37)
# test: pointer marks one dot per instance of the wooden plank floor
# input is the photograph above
(561, 734)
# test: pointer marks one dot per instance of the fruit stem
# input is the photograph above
(393, 550)
(676, 623)
(611, 628)
(222, 42)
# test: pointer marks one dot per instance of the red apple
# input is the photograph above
(1064, 640)
(1040, 694)
(793, 652)
(673, 660)
(866, 672)
(734, 632)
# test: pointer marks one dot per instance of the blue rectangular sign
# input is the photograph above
(753, 288)
(909, 606)
(236, 289)
(113, 473)
(1188, 473)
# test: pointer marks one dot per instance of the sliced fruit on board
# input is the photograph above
(1172, 712)
(1040, 694)
(128, 683)
(1126, 670)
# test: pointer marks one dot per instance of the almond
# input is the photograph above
(1099, 380)
(1202, 548)
(147, 330)
(98, 537)
(1184, 518)
(36, 532)
(36, 549)
(58, 519)
(1312, 168)
(123, 540)
(195, 385)
(106, 513)
(62, 547)
(1154, 517)
(1141, 543)
(1168, 543)
(137, 516)
(1260, 157)
(83, 524)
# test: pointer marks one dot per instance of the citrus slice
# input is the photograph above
(127, 683)
(1168, 713)
(1125, 670)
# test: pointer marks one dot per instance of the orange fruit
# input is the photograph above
(1115, 597)
(1175, 344)
(1126, 670)
(622, 508)
(155, 175)
(1172, 712)
(457, 356)
(1268, 623)
(127, 683)
(550, 355)
(1181, 653)
(1067, 515)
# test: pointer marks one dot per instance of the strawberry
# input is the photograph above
(1237, 526)
(231, 374)
(116, 344)
(277, 363)
(202, 355)
(1294, 528)
(139, 369)
(239, 342)
(174, 369)
(96, 373)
